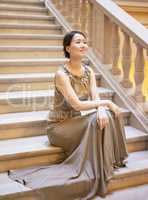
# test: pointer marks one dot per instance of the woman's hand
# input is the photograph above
(116, 109)
(102, 117)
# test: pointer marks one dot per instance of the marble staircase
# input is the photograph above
(30, 54)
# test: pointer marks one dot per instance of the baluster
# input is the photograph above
(68, 10)
(76, 7)
(89, 26)
(139, 74)
(57, 3)
(83, 16)
(126, 61)
(107, 52)
(63, 8)
(115, 50)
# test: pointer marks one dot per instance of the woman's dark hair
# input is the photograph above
(67, 40)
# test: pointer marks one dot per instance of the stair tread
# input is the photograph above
(28, 117)
(8, 186)
(8, 5)
(30, 36)
(24, 147)
(30, 48)
(20, 16)
(30, 25)
(22, 1)
(40, 93)
(134, 134)
(27, 77)
(37, 145)
(137, 162)
(132, 3)
(5, 78)
(24, 62)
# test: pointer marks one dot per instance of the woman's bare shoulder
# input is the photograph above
(61, 75)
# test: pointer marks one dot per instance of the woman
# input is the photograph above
(94, 144)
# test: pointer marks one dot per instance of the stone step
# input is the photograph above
(32, 150)
(26, 124)
(30, 65)
(23, 2)
(132, 6)
(30, 28)
(30, 39)
(25, 19)
(9, 188)
(23, 101)
(22, 9)
(136, 139)
(136, 172)
(21, 52)
(38, 151)
(29, 81)
(24, 12)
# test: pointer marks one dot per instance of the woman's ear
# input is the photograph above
(68, 49)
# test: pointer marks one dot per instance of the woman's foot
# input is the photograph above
(119, 164)
(122, 163)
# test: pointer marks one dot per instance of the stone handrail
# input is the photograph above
(115, 37)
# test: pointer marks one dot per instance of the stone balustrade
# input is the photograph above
(115, 37)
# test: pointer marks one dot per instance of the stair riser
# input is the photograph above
(31, 84)
(30, 31)
(29, 69)
(26, 86)
(26, 130)
(28, 2)
(27, 21)
(31, 104)
(29, 54)
(32, 161)
(23, 4)
(136, 10)
(126, 182)
(141, 17)
(22, 9)
(34, 129)
(23, 12)
(138, 146)
(29, 42)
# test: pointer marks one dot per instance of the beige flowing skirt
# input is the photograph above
(88, 165)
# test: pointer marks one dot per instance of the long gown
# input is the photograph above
(90, 153)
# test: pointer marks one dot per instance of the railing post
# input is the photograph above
(115, 49)
(76, 7)
(90, 22)
(107, 41)
(57, 3)
(139, 74)
(126, 61)
(83, 15)
(63, 8)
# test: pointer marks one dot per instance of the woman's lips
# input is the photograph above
(82, 50)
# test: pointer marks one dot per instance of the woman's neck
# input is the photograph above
(75, 65)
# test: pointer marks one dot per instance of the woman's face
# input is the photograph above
(78, 46)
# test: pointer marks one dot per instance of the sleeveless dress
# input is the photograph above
(90, 153)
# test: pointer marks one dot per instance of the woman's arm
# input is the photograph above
(64, 86)
(93, 87)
